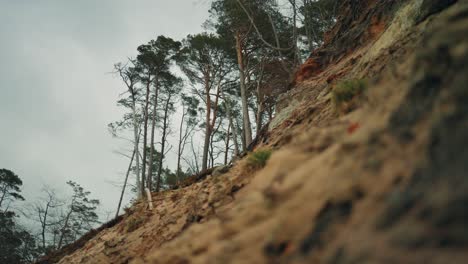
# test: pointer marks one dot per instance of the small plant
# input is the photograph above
(346, 94)
(134, 223)
(259, 158)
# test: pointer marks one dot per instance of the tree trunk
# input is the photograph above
(136, 136)
(234, 137)
(207, 123)
(245, 109)
(231, 123)
(4, 192)
(145, 134)
(125, 184)
(306, 26)
(260, 99)
(179, 148)
(211, 150)
(44, 224)
(259, 117)
(213, 122)
(213, 133)
(153, 126)
(297, 57)
(163, 142)
(197, 167)
(65, 225)
(242, 136)
(227, 144)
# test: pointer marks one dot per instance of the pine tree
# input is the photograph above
(204, 61)
(80, 215)
(16, 244)
(10, 188)
(154, 61)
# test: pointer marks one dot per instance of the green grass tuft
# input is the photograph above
(259, 158)
(134, 223)
(346, 93)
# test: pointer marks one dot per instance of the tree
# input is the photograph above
(125, 183)
(317, 17)
(250, 26)
(170, 178)
(271, 80)
(232, 23)
(154, 60)
(10, 190)
(44, 211)
(297, 57)
(154, 163)
(231, 112)
(204, 61)
(189, 118)
(217, 136)
(16, 244)
(193, 161)
(130, 77)
(79, 217)
(171, 87)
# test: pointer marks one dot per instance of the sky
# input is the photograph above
(56, 91)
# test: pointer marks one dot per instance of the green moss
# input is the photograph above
(345, 93)
(259, 158)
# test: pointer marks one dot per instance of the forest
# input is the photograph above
(223, 83)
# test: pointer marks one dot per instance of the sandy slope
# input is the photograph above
(385, 183)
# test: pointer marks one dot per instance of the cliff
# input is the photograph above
(376, 178)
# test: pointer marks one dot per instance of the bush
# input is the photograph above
(346, 93)
(259, 158)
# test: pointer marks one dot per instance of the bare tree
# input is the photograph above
(44, 212)
(130, 77)
(79, 217)
(189, 118)
(168, 109)
(193, 162)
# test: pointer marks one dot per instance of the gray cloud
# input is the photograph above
(56, 96)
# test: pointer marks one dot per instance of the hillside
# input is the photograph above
(379, 178)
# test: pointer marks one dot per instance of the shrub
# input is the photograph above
(259, 158)
(346, 93)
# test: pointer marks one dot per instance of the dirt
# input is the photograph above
(385, 183)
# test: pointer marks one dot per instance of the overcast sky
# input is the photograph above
(56, 94)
